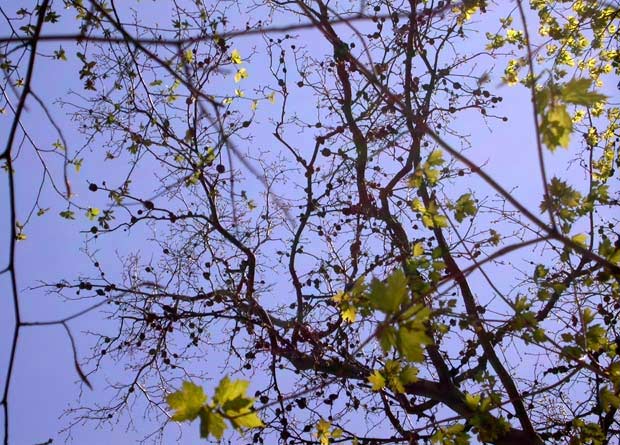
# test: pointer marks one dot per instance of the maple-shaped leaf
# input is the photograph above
(577, 91)
(187, 402)
(349, 314)
(409, 374)
(410, 342)
(388, 296)
(229, 390)
(235, 57)
(556, 127)
(247, 418)
(376, 380)
(211, 423)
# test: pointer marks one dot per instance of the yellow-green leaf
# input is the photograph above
(472, 401)
(229, 390)
(92, 213)
(418, 249)
(235, 57)
(408, 375)
(188, 56)
(556, 127)
(211, 423)
(435, 158)
(322, 431)
(608, 400)
(465, 206)
(187, 402)
(248, 419)
(376, 380)
(242, 73)
(581, 239)
(349, 314)
(410, 342)
(387, 297)
(577, 92)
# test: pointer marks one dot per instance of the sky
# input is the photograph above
(45, 380)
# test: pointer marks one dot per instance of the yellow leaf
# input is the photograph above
(229, 390)
(92, 213)
(377, 380)
(235, 57)
(248, 420)
(408, 375)
(322, 431)
(340, 297)
(418, 249)
(349, 314)
(211, 423)
(581, 238)
(435, 158)
(272, 98)
(472, 401)
(187, 402)
(254, 105)
(188, 56)
(242, 73)
(556, 127)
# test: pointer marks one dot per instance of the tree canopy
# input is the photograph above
(294, 224)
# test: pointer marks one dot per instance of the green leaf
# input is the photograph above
(211, 423)
(410, 342)
(577, 92)
(556, 127)
(187, 402)
(67, 214)
(188, 56)
(465, 206)
(387, 297)
(237, 404)
(608, 400)
(408, 375)
(387, 338)
(60, 54)
(542, 100)
(77, 164)
(229, 390)
(614, 373)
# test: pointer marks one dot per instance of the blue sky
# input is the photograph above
(45, 381)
